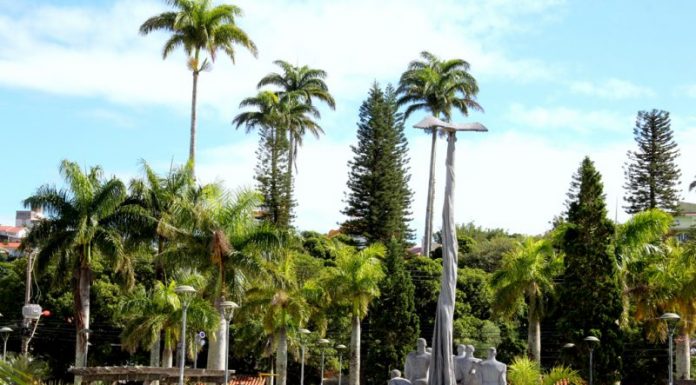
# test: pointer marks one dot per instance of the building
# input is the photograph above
(11, 236)
(685, 220)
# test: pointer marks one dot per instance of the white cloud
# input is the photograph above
(546, 118)
(97, 52)
(612, 89)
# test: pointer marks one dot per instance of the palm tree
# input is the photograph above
(284, 302)
(301, 86)
(527, 273)
(219, 235)
(148, 314)
(279, 115)
(665, 281)
(80, 230)
(355, 282)
(437, 86)
(155, 199)
(202, 30)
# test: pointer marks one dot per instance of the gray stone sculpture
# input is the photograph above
(459, 362)
(491, 371)
(469, 368)
(418, 364)
(396, 379)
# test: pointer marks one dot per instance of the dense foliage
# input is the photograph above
(590, 297)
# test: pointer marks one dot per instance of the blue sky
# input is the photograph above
(559, 80)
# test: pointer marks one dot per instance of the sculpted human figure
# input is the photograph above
(417, 364)
(396, 379)
(491, 371)
(459, 362)
(469, 368)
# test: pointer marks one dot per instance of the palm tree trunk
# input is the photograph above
(683, 353)
(282, 357)
(355, 352)
(216, 347)
(192, 143)
(81, 303)
(167, 357)
(155, 353)
(288, 187)
(533, 335)
(428, 236)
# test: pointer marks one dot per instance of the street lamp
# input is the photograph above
(340, 349)
(303, 344)
(227, 311)
(5, 335)
(591, 340)
(323, 342)
(185, 294)
(671, 319)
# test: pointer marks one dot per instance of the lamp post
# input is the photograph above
(227, 311)
(5, 335)
(323, 343)
(185, 294)
(340, 349)
(303, 344)
(591, 340)
(671, 319)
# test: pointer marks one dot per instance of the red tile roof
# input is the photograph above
(11, 229)
(9, 246)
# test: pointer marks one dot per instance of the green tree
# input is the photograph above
(284, 303)
(438, 86)
(354, 282)
(590, 297)
(218, 235)
(202, 30)
(379, 199)
(79, 232)
(299, 86)
(146, 314)
(398, 327)
(274, 116)
(527, 273)
(652, 175)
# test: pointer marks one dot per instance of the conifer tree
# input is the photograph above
(271, 170)
(652, 176)
(378, 201)
(590, 295)
(392, 319)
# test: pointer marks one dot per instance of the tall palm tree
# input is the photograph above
(202, 30)
(284, 302)
(527, 273)
(437, 86)
(301, 85)
(355, 282)
(80, 230)
(279, 114)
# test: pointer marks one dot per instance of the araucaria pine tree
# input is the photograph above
(652, 176)
(378, 201)
(271, 171)
(590, 295)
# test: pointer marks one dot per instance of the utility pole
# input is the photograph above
(26, 322)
